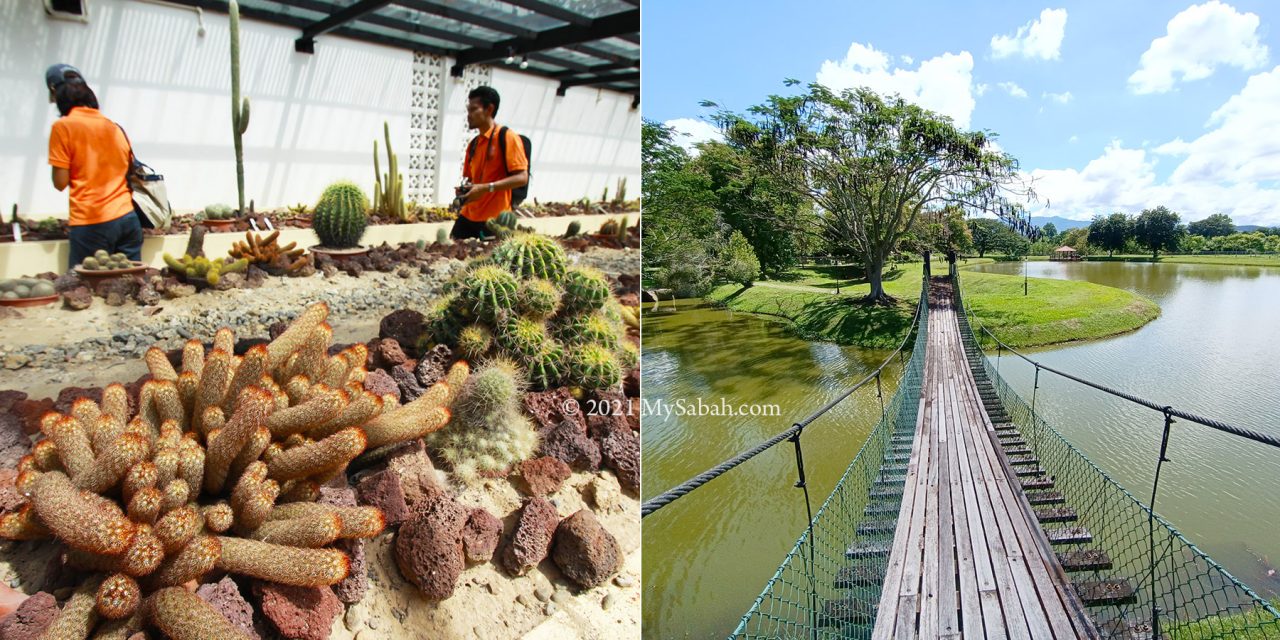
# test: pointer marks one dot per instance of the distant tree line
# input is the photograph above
(1155, 230)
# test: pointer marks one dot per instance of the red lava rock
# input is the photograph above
(9, 397)
(429, 548)
(10, 499)
(480, 535)
(224, 596)
(30, 411)
(543, 476)
(584, 550)
(568, 442)
(352, 588)
(69, 395)
(404, 326)
(620, 451)
(67, 282)
(301, 613)
(77, 299)
(381, 383)
(388, 353)
(531, 540)
(434, 365)
(410, 388)
(277, 328)
(629, 300)
(417, 474)
(30, 619)
(14, 442)
(547, 408)
(383, 490)
(631, 384)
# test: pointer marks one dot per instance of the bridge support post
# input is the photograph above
(880, 395)
(1151, 521)
(1034, 389)
(801, 484)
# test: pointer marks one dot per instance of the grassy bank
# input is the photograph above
(1056, 311)
(1265, 260)
(1256, 623)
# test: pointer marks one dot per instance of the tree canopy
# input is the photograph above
(1216, 225)
(1110, 232)
(870, 164)
(1158, 229)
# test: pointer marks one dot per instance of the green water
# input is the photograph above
(1214, 351)
(708, 555)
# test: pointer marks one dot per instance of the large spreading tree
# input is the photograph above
(1111, 232)
(1216, 225)
(1158, 229)
(870, 164)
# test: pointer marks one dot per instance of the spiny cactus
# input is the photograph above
(489, 291)
(539, 298)
(475, 341)
(530, 255)
(442, 237)
(593, 366)
(588, 327)
(574, 229)
(547, 367)
(388, 189)
(267, 252)
(585, 289)
(489, 432)
(522, 337)
(339, 220)
(218, 469)
(239, 109)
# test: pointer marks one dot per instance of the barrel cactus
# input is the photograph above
(547, 367)
(474, 341)
(530, 255)
(339, 220)
(539, 298)
(593, 366)
(522, 337)
(585, 289)
(589, 327)
(489, 291)
(490, 432)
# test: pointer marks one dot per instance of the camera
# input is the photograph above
(459, 193)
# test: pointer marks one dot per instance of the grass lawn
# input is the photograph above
(1056, 311)
(1257, 623)
(1262, 260)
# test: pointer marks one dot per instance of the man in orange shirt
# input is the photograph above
(491, 175)
(90, 154)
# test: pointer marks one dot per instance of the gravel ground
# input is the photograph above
(49, 347)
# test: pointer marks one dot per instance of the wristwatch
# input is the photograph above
(490, 187)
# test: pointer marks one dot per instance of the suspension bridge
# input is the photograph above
(965, 515)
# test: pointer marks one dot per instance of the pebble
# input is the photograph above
(374, 623)
(623, 581)
(354, 618)
(522, 598)
(560, 596)
(550, 608)
(542, 593)
(608, 602)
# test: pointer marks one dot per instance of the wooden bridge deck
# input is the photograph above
(969, 558)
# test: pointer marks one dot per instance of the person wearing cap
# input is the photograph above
(491, 175)
(90, 154)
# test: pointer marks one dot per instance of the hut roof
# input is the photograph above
(1064, 248)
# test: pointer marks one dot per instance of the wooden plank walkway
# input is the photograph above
(969, 559)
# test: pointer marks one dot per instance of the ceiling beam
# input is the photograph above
(307, 43)
(605, 27)
(552, 11)
(392, 23)
(453, 13)
(627, 76)
(597, 52)
(599, 68)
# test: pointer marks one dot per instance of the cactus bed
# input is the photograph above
(505, 606)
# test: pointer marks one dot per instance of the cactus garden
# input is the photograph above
(325, 470)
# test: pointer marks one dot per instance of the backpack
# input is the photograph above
(518, 194)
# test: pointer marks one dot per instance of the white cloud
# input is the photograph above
(943, 84)
(1073, 139)
(690, 131)
(1041, 38)
(1198, 40)
(1013, 89)
(981, 89)
(907, 60)
(1234, 167)
(1060, 98)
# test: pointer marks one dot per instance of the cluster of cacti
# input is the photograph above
(388, 189)
(21, 288)
(340, 219)
(299, 209)
(239, 108)
(49, 226)
(489, 432)
(203, 268)
(557, 323)
(219, 212)
(615, 228)
(620, 196)
(267, 252)
(218, 469)
(103, 261)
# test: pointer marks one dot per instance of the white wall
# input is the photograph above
(314, 117)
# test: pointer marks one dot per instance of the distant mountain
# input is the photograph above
(1248, 228)
(1061, 224)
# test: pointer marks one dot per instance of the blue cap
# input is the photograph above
(59, 74)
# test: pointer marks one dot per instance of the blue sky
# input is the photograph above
(1109, 106)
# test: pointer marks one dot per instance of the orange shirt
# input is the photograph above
(485, 166)
(96, 153)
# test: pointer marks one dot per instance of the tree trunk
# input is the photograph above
(1111, 253)
(982, 252)
(875, 269)
(1155, 253)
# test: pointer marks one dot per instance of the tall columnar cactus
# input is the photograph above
(339, 220)
(530, 255)
(489, 432)
(388, 191)
(239, 108)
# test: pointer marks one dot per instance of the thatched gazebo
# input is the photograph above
(1065, 253)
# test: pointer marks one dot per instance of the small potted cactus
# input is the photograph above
(102, 265)
(26, 292)
(339, 220)
(219, 217)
